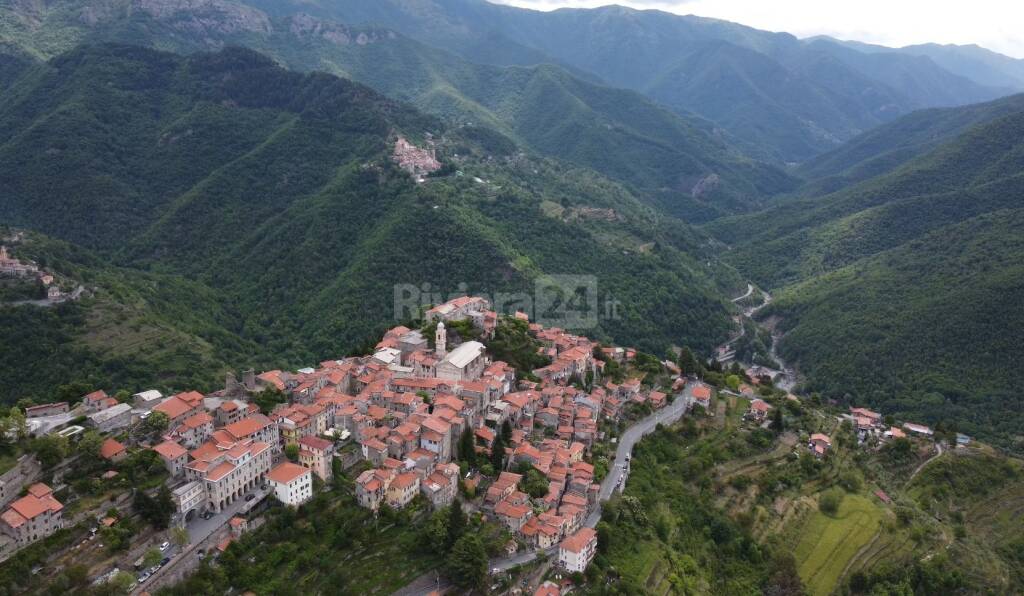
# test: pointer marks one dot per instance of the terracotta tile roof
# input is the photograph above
(316, 443)
(222, 470)
(174, 407)
(404, 481)
(247, 426)
(95, 396)
(111, 448)
(579, 541)
(170, 450)
(197, 420)
(286, 472)
(39, 500)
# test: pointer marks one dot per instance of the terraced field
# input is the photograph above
(827, 544)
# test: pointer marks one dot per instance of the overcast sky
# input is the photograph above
(994, 24)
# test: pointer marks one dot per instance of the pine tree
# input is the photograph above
(498, 454)
(456, 524)
(467, 563)
(467, 447)
(506, 432)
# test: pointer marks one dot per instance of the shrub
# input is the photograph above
(829, 501)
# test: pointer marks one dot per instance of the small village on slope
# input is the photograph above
(417, 424)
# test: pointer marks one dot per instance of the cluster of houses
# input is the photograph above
(410, 410)
(867, 424)
(9, 266)
(416, 161)
(406, 406)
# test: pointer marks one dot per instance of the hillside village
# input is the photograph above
(28, 273)
(408, 414)
(417, 423)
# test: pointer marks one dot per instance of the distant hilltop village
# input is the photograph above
(405, 413)
(12, 267)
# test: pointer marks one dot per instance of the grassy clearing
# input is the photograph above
(828, 543)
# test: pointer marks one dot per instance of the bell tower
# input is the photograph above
(440, 340)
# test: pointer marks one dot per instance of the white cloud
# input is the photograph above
(994, 24)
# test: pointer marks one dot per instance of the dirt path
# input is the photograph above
(786, 443)
(938, 447)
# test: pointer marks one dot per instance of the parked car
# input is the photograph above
(164, 546)
(165, 561)
(250, 497)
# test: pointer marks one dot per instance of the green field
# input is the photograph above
(827, 544)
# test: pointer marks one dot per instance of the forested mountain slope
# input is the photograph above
(887, 147)
(926, 331)
(902, 291)
(277, 191)
(976, 172)
(679, 162)
(648, 51)
(130, 328)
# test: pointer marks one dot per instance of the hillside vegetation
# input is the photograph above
(679, 162)
(275, 192)
(786, 99)
(900, 291)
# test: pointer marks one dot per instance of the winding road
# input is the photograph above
(680, 405)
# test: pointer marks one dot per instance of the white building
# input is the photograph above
(228, 470)
(576, 551)
(292, 483)
(145, 400)
(464, 363)
(188, 497)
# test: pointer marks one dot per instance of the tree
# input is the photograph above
(90, 444)
(688, 362)
(179, 536)
(506, 432)
(155, 510)
(18, 423)
(604, 533)
(291, 451)
(49, 450)
(535, 484)
(498, 454)
(467, 563)
(777, 425)
(456, 525)
(152, 557)
(829, 501)
(269, 398)
(784, 580)
(467, 447)
(121, 582)
(156, 423)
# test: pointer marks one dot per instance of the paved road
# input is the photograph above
(199, 530)
(633, 434)
(430, 581)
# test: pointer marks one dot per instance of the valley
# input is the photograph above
(725, 310)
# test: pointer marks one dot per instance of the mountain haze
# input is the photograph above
(846, 93)
(679, 162)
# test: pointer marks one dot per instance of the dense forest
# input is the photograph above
(901, 291)
(255, 213)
